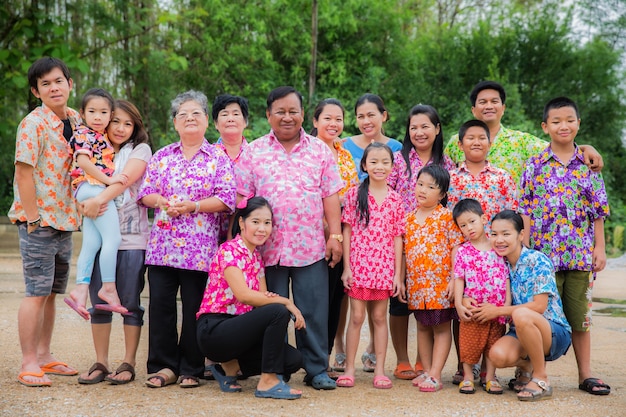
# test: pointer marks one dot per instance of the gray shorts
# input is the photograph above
(46, 255)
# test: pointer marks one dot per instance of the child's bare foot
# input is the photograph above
(108, 294)
(78, 300)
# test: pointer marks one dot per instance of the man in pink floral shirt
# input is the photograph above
(298, 175)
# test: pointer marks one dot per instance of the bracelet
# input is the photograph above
(197, 208)
(34, 222)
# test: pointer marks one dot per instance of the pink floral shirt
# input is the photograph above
(40, 144)
(372, 254)
(295, 185)
(405, 186)
(493, 188)
(224, 216)
(485, 275)
(218, 297)
(191, 241)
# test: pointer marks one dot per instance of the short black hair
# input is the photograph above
(558, 103)
(467, 205)
(473, 123)
(511, 216)
(487, 85)
(224, 100)
(281, 92)
(43, 66)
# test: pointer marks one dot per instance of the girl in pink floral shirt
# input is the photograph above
(373, 220)
(240, 323)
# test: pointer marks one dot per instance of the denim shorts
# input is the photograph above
(561, 340)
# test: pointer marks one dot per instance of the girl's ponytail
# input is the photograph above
(362, 202)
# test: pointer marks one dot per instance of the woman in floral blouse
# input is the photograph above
(188, 183)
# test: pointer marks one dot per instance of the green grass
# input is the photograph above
(609, 301)
(612, 311)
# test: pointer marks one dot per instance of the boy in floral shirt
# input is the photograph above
(563, 204)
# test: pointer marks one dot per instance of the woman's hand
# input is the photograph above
(485, 312)
(93, 207)
(299, 322)
(270, 294)
(176, 209)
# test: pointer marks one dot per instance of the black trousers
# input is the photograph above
(335, 293)
(256, 339)
(165, 349)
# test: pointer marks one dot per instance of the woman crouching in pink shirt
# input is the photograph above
(240, 323)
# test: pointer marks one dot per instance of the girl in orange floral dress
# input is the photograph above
(430, 243)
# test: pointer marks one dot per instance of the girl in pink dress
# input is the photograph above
(373, 218)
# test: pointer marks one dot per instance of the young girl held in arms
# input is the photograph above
(430, 244)
(374, 222)
(93, 171)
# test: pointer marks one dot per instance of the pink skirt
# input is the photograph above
(368, 294)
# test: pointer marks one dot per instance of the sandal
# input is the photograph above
(544, 391)
(382, 382)
(227, 383)
(493, 387)
(589, 384)
(404, 371)
(419, 379)
(430, 384)
(345, 381)
(165, 376)
(124, 367)
(96, 379)
(467, 387)
(369, 361)
(516, 384)
(280, 391)
(340, 363)
(458, 378)
(193, 383)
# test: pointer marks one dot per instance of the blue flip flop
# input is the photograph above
(280, 391)
(227, 383)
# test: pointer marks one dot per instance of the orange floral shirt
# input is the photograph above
(428, 248)
(40, 144)
(347, 169)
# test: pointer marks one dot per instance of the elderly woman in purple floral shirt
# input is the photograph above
(188, 183)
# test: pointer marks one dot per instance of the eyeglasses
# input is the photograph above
(195, 115)
(282, 113)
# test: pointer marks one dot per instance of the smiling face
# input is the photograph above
(97, 113)
(230, 121)
(257, 227)
(120, 129)
(475, 144)
(285, 117)
(370, 120)
(422, 132)
(506, 240)
(329, 124)
(377, 163)
(562, 125)
(472, 225)
(489, 107)
(427, 192)
(191, 120)
(53, 89)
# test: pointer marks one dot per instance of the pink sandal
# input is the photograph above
(345, 381)
(382, 382)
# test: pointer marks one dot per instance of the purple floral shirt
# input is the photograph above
(191, 241)
(485, 275)
(295, 185)
(399, 180)
(218, 297)
(563, 200)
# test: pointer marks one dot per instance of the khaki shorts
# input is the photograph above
(575, 291)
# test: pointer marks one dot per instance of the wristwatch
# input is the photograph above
(338, 237)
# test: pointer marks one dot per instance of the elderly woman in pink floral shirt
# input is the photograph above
(188, 183)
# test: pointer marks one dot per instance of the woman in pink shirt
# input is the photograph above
(240, 323)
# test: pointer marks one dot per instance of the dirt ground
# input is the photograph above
(72, 343)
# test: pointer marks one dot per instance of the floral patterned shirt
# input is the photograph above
(244, 145)
(372, 251)
(493, 188)
(509, 150)
(405, 186)
(218, 297)
(533, 275)
(97, 147)
(428, 248)
(295, 184)
(485, 275)
(347, 169)
(224, 216)
(191, 241)
(562, 201)
(40, 143)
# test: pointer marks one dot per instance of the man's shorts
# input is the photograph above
(575, 291)
(561, 340)
(46, 255)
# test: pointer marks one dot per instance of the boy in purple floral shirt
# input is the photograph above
(564, 204)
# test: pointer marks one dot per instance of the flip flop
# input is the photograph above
(340, 362)
(345, 381)
(49, 369)
(280, 391)
(124, 367)
(165, 375)
(371, 358)
(74, 305)
(96, 379)
(28, 383)
(382, 382)
(114, 309)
